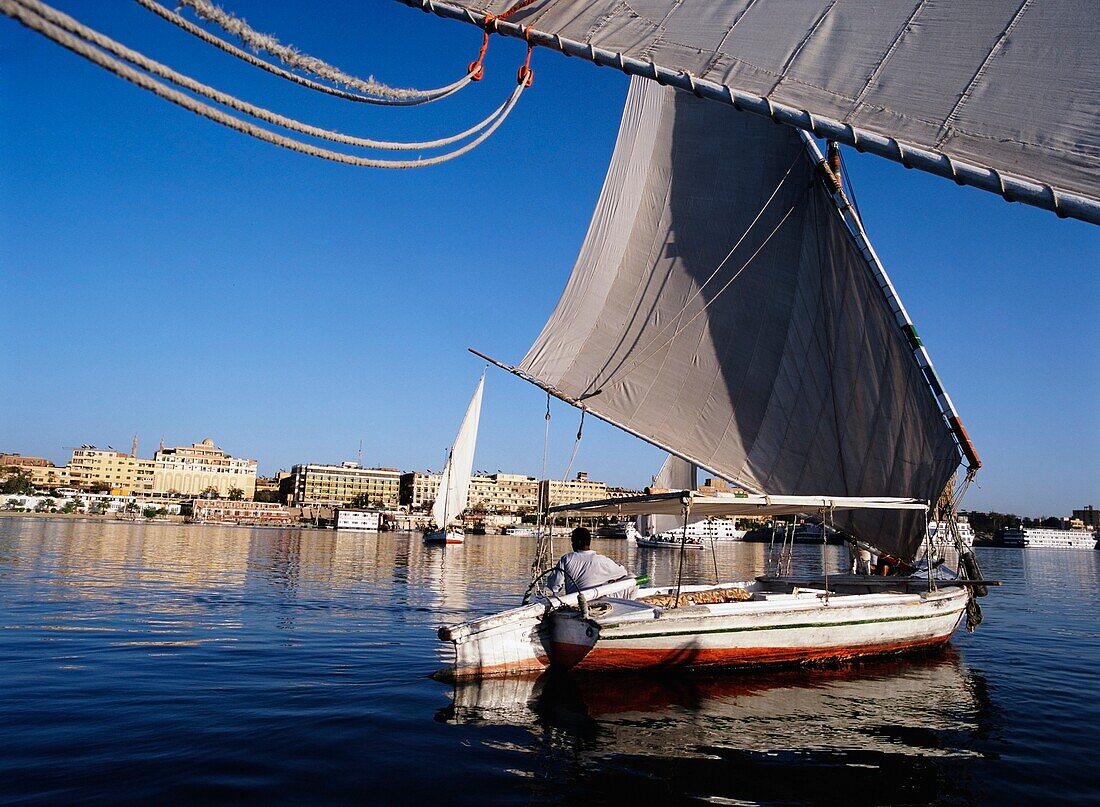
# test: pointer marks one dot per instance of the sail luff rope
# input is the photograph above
(292, 57)
(137, 59)
(647, 356)
(228, 47)
(18, 11)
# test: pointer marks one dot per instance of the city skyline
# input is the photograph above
(169, 277)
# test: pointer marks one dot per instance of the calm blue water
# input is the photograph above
(148, 663)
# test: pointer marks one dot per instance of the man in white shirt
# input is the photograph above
(583, 568)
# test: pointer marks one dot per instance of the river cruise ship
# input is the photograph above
(1044, 538)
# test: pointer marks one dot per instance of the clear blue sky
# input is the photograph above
(165, 276)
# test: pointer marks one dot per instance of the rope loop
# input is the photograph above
(525, 75)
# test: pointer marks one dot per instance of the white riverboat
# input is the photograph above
(626, 625)
(669, 540)
(520, 531)
(787, 366)
(1045, 538)
(965, 532)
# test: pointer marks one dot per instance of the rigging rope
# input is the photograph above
(716, 270)
(576, 447)
(156, 68)
(542, 552)
(255, 61)
(25, 12)
(375, 91)
(648, 354)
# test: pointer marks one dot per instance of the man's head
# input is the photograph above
(581, 538)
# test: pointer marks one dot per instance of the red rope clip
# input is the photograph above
(525, 75)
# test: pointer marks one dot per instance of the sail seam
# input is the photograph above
(948, 124)
(873, 77)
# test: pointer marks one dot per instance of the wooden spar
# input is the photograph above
(561, 396)
(1011, 188)
(908, 329)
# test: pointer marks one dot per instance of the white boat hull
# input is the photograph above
(776, 629)
(625, 634)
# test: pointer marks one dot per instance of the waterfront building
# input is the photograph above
(342, 484)
(504, 493)
(1089, 516)
(191, 470)
(579, 489)
(123, 474)
(223, 511)
(48, 476)
(417, 490)
(511, 494)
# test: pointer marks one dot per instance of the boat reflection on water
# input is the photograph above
(902, 730)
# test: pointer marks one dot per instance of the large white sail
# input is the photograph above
(675, 474)
(454, 484)
(721, 308)
(1000, 94)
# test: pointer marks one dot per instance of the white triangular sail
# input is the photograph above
(454, 484)
(675, 474)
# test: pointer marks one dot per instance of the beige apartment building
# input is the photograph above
(417, 491)
(48, 476)
(190, 470)
(41, 472)
(123, 474)
(334, 485)
(580, 489)
(495, 493)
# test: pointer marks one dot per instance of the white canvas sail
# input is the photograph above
(999, 94)
(675, 474)
(721, 308)
(454, 483)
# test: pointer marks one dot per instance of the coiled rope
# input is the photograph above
(373, 91)
(40, 18)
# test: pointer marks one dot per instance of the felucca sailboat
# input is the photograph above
(727, 307)
(454, 482)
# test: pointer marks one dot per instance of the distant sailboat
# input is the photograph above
(454, 482)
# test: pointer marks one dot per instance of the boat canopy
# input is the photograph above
(732, 504)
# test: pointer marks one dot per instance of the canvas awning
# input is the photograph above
(731, 504)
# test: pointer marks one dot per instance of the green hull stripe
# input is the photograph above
(773, 627)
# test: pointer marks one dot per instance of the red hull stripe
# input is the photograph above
(604, 658)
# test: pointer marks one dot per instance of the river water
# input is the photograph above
(145, 663)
